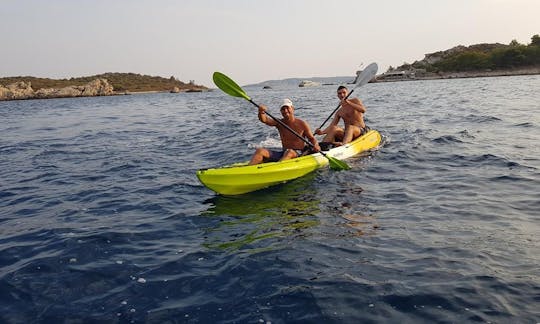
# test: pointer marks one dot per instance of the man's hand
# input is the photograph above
(262, 109)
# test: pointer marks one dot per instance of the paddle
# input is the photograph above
(365, 76)
(231, 88)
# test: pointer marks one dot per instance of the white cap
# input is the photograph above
(287, 102)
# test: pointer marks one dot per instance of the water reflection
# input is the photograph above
(346, 213)
(264, 219)
(361, 224)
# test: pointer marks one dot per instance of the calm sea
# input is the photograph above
(102, 218)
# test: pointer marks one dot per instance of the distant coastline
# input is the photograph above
(107, 84)
(405, 76)
(458, 75)
(479, 60)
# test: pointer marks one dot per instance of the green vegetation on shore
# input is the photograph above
(122, 82)
(480, 57)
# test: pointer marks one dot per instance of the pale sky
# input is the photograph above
(249, 40)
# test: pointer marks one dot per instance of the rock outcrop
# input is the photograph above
(23, 90)
(16, 91)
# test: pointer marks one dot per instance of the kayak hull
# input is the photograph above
(241, 178)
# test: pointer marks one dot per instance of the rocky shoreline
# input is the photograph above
(23, 90)
(102, 87)
(99, 87)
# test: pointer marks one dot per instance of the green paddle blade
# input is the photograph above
(229, 86)
(337, 165)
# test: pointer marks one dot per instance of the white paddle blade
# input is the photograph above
(367, 74)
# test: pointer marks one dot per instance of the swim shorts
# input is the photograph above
(276, 155)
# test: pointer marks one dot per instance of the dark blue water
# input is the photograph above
(102, 218)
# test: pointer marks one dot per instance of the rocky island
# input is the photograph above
(19, 88)
(479, 60)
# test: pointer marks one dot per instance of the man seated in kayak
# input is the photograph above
(352, 112)
(292, 145)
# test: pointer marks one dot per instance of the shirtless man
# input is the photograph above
(352, 112)
(292, 145)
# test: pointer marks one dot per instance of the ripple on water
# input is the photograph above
(104, 220)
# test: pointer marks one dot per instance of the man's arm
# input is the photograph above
(264, 118)
(355, 103)
(310, 137)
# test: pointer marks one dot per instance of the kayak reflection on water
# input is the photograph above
(261, 220)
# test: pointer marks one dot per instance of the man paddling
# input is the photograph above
(352, 112)
(292, 145)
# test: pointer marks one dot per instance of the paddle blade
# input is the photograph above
(366, 75)
(229, 86)
(337, 165)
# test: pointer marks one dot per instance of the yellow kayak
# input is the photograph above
(241, 178)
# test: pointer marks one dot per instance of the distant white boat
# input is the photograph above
(309, 83)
